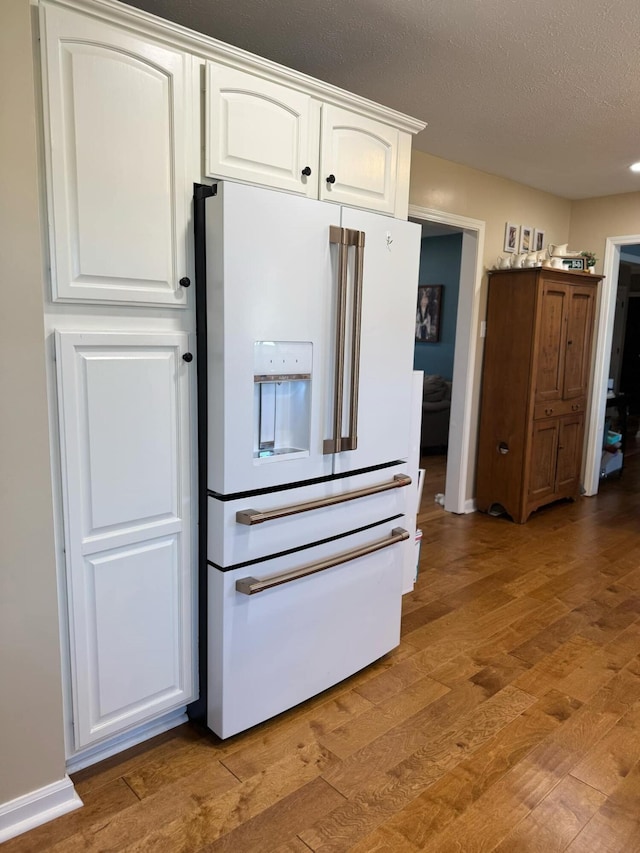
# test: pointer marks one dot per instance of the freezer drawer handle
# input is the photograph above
(249, 586)
(255, 516)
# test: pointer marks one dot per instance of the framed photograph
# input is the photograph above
(538, 241)
(526, 239)
(511, 237)
(428, 313)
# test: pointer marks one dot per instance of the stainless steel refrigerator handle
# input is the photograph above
(249, 586)
(351, 441)
(339, 236)
(255, 516)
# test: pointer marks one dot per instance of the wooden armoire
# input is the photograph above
(537, 367)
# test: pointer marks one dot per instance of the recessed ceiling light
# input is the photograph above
(635, 167)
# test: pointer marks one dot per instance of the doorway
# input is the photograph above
(458, 493)
(435, 333)
(614, 251)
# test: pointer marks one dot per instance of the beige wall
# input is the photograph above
(595, 219)
(31, 729)
(442, 185)
(450, 187)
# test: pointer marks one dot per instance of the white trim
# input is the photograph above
(37, 807)
(94, 754)
(174, 35)
(461, 457)
(604, 334)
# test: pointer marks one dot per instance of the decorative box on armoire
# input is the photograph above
(537, 366)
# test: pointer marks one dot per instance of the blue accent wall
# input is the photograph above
(440, 259)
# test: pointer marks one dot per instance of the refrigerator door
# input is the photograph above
(382, 404)
(270, 274)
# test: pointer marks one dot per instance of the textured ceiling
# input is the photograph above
(546, 92)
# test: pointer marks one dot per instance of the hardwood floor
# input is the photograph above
(508, 719)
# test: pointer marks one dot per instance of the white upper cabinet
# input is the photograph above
(260, 131)
(117, 140)
(270, 134)
(358, 160)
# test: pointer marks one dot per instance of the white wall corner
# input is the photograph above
(37, 807)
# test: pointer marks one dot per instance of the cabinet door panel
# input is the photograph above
(570, 442)
(116, 163)
(550, 343)
(544, 448)
(124, 427)
(362, 156)
(133, 643)
(261, 132)
(578, 347)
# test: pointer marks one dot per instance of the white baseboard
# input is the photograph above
(470, 505)
(37, 807)
(94, 754)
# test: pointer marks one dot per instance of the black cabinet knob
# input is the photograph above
(306, 171)
(185, 282)
(331, 179)
(187, 357)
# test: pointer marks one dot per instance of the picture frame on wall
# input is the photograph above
(428, 313)
(511, 237)
(526, 239)
(538, 240)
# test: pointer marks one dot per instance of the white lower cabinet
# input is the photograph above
(124, 410)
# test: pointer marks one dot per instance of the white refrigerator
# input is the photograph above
(306, 323)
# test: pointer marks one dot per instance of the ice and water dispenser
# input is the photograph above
(282, 398)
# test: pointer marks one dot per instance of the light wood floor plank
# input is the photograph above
(508, 718)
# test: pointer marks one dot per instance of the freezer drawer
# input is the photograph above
(233, 540)
(271, 650)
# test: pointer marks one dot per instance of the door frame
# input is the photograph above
(606, 311)
(461, 455)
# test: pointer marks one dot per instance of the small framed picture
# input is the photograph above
(538, 240)
(511, 237)
(526, 239)
(428, 313)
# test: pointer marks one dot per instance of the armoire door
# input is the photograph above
(570, 439)
(543, 460)
(117, 145)
(124, 412)
(580, 308)
(549, 365)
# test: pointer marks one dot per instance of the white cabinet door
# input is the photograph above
(124, 409)
(261, 132)
(116, 147)
(358, 160)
